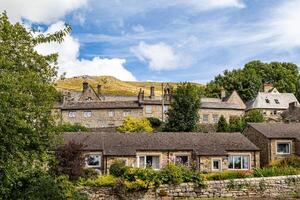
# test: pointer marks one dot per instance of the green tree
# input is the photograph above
(135, 125)
(254, 116)
(222, 125)
(236, 124)
(27, 95)
(183, 113)
(248, 80)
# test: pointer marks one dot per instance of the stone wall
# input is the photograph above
(282, 186)
(227, 113)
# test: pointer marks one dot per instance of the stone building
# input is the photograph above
(271, 102)
(275, 140)
(94, 110)
(211, 109)
(206, 152)
(292, 114)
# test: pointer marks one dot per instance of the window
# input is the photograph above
(283, 148)
(87, 114)
(72, 114)
(267, 100)
(239, 162)
(182, 159)
(111, 113)
(149, 161)
(93, 160)
(216, 118)
(276, 101)
(166, 109)
(148, 109)
(216, 164)
(205, 118)
(126, 113)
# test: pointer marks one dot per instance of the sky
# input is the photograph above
(163, 40)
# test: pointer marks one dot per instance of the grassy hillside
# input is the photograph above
(110, 85)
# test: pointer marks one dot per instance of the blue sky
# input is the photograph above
(164, 40)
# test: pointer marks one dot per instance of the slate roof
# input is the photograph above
(260, 101)
(100, 105)
(220, 105)
(278, 130)
(126, 144)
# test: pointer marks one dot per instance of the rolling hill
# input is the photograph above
(110, 85)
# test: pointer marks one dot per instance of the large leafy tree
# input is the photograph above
(249, 80)
(26, 98)
(183, 113)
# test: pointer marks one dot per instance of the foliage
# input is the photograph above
(90, 173)
(284, 76)
(117, 168)
(236, 124)
(254, 116)
(135, 125)
(291, 161)
(99, 181)
(183, 113)
(155, 122)
(71, 128)
(27, 97)
(222, 125)
(70, 160)
(275, 171)
(225, 175)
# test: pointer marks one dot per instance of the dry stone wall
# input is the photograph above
(282, 186)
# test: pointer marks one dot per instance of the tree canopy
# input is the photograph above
(183, 113)
(27, 95)
(248, 80)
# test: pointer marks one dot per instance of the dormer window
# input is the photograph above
(276, 101)
(267, 100)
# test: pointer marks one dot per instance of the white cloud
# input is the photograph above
(69, 62)
(210, 4)
(40, 11)
(160, 56)
(138, 28)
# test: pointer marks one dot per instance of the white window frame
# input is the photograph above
(283, 142)
(216, 116)
(148, 109)
(111, 113)
(86, 115)
(205, 122)
(93, 154)
(220, 164)
(72, 114)
(242, 155)
(145, 163)
(182, 154)
(166, 108)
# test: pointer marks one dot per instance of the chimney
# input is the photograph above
(152, 92)
(268, 87)
(85, 86)
(99, 89)
(223, 93)
(292, 105)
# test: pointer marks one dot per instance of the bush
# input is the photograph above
(222, 125)
(228, 175)
(171, 174)
(100, 181)
(254, 116)
(292, 161)
(135, 125)
(148, 175)
(117, 168)
(90, 173)
(71, 128)
(275, 171)
(155, 122)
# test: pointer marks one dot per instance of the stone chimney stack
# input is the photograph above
(152, 94)
(99, 87)
(223, 93)
(292, 106)
(267, 87)
(85, 86)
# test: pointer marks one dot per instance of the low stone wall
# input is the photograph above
(281, 186)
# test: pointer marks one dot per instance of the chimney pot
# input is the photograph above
(85, 86)
(152, 92)
(99, 87)
(223, 93)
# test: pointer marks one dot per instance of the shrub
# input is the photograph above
(90, 173)
(149, 175)
(117, 168)
(171, 174)
(100, 181)
(222, 125)
(135, 125)
(71, 128)
(292, 161)
(275, 171)
(254, 116)
(228, 175)
(155, 122)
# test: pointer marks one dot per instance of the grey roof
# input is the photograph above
(220, 105)
(260, 101)
(278, 130)
(126, 144)
(100, 105)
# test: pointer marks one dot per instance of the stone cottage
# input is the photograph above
(211, 109)
(271, 103)
(206, 152)
(275, 140)
(292, 114)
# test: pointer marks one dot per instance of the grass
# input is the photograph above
(111, 85)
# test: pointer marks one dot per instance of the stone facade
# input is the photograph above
(273, 146)
(270, 187)
(214, 114)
